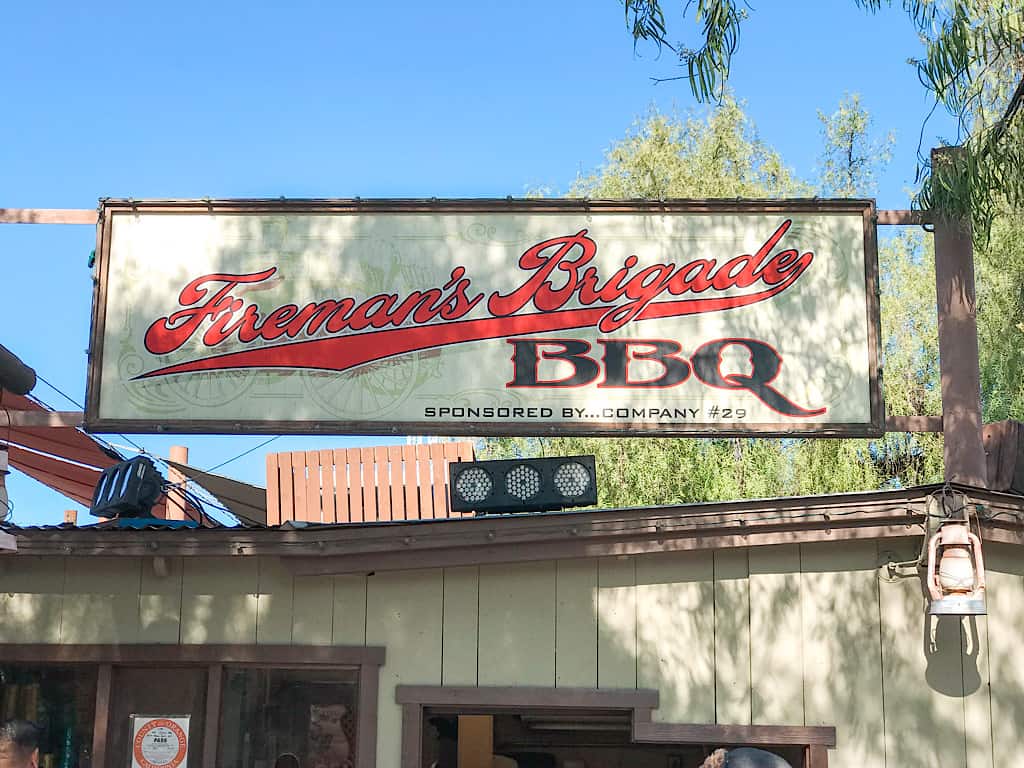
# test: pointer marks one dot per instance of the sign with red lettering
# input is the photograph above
(466, 317)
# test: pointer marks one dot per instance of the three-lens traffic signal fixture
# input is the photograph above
(522, 485)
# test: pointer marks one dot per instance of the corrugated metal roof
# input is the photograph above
(117, 524)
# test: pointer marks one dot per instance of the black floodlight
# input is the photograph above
(15, 377)
(522, 485)
(128, 489)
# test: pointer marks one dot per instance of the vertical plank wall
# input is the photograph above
(795, 634)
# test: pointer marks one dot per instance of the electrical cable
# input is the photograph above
(142, 450)
(190, 500)
(243, 453)
(106, 443)
(60, 392)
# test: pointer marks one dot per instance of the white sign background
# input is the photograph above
(822, 326)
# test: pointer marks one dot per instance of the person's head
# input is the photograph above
(744, 757)
(284, 760)
(19, 744)
(715, 760)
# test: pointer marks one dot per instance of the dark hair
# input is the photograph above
(286, 760)
(22, 734)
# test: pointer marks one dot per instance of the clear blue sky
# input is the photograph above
(341, 99)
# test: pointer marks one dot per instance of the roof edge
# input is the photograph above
(329, 549)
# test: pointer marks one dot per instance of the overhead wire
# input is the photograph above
(242, 454)
(202, 503)
(211, 500)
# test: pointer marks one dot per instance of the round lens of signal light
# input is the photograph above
(572, 479)
(474, 485)
(522, 482)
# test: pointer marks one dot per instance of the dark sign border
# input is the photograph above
(109, 208)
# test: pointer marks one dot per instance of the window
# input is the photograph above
(247, 705)
(310, 714)
(61, 700)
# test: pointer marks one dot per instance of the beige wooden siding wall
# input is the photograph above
(795, 634)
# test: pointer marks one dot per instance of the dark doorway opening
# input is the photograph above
(538, 738)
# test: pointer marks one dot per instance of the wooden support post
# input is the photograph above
(958, 345)
(175, 500)
(101, 719)
(211, 729)
(71, 516)
(817, 756)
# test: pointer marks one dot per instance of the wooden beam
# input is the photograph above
(608, 528)
(412, 736)
(8, 543)
(101, 718)
(211, 735)
(817, 756)
(1004, 455)
(15, 419)
(48, 216)
(960, 378)
(913, 424)
(752, 735)
(502, 698)
(366, 734)
(571, 548)
(892, 217)
(179, 655)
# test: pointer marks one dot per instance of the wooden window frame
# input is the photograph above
(414, 699)
(368, 660)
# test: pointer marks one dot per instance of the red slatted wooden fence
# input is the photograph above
(355, 485)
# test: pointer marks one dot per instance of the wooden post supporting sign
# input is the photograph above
(958, 344)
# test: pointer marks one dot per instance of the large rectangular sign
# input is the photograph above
(483, 317)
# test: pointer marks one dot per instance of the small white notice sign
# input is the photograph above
(160, 741)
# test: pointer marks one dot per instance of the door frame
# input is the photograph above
(640, 703)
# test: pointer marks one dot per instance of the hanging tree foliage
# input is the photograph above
(973, 58)
(721, 155)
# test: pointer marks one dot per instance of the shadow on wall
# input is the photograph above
(901, 688)
(961, 637)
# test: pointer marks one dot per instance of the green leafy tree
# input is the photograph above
(973, 55)
(851, 156)
(668, 156)
(1000, 281)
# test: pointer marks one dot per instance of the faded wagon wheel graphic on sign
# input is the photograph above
(148, 395)
(170, 393)
(210, 390)
(203, 389)
(378, 388)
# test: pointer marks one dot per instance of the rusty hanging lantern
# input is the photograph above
(956, 572)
